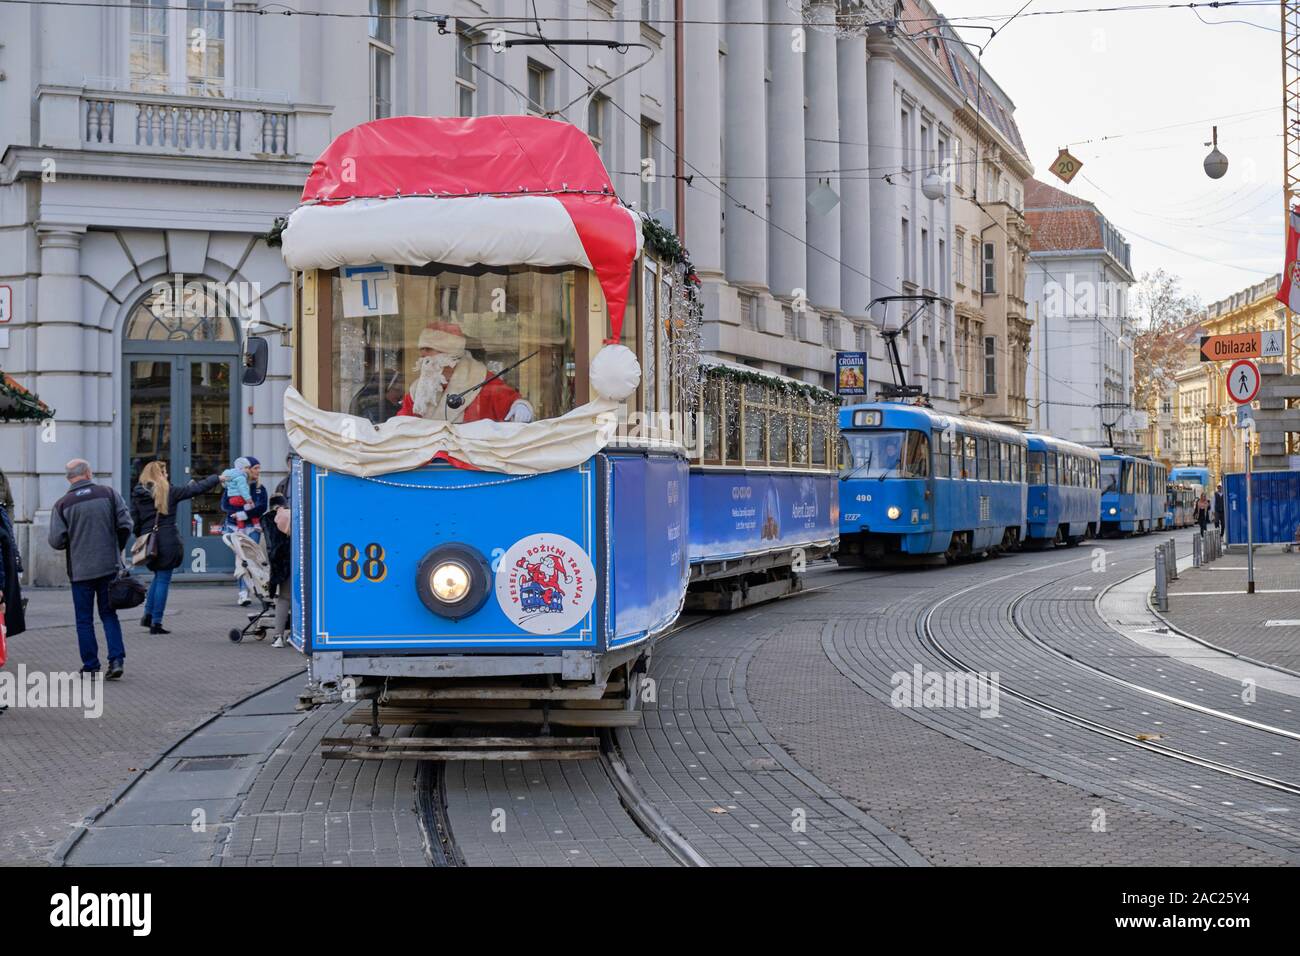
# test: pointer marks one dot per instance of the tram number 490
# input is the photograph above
(353, 564)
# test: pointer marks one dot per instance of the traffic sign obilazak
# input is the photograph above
(1243, 382)
(1224, 348)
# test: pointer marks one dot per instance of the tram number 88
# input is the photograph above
(353, 565)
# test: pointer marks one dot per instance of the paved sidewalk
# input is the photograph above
(59, 766)
(1210, 602)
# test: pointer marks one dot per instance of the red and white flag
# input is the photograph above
(1289, 293)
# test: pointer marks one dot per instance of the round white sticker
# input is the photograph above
(545, 583)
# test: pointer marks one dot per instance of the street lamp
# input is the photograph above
(932, 187)
(1216, 164)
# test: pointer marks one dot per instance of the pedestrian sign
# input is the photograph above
(1271, 343)
(1243, 382)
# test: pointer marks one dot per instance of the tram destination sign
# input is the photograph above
(1242, 345)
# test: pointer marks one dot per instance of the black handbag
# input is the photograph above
(126, 592)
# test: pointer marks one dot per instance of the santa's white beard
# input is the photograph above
(426, 391)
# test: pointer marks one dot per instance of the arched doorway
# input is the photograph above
(180, 355)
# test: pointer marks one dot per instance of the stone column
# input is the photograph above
(60, 382)
(821, 132)
(855, 187)
(884, 154)
(746, 153)
(703, 146)
(788, 268)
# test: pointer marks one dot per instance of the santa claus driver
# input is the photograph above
(444, 368)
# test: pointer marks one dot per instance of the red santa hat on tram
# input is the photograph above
(445, 337)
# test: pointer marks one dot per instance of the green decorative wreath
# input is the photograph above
(814, 393)
(19, 405)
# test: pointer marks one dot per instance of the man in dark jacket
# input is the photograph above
(11, 566)
(91, 523)
(1219, 509)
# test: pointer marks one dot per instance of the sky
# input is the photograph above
(1080, 77)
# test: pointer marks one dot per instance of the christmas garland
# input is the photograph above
(814, 393)
(277, 229)
(663, 243)
(17, 404)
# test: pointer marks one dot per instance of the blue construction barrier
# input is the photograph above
(1275, 506)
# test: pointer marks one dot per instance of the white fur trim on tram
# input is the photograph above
(355, 446)
(414, 230)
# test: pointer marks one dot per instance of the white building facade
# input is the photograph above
(1079, 284)
(146, 150)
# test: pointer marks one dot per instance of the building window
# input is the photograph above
(907, 251)
(649, 165)
(943, 267)
(178, 48)
(960, 261)
(788, 314)
(649, 11)
(597, 120)
(539, 87)
(466, 82)
(990, 365)
(828, 333)
(925, 259)
(860, 338)
(749, 311)
(381, 59)
(974, 259)
(925, 148)
(905, 138)
(990, 273)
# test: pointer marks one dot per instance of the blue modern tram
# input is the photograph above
(1064, 498)
(916, 482)
(1193, 475)
(1133, 494)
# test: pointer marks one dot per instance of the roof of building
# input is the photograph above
(1061, 222)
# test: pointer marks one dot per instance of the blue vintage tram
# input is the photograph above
(1133, 494)
(916, 482)
(458, 558)
(763, 490)
(1064, 500)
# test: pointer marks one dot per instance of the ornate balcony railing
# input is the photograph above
(164, 123)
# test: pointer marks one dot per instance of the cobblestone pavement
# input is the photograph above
(1033, 789)
(58, 764)
(1210, 603)
(771, 741)
(543, 813)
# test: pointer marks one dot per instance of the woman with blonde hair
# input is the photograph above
(153, 509)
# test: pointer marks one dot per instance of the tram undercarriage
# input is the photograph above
(751, 579)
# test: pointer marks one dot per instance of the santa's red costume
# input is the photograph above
(445, 368)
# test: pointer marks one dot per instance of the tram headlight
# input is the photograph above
(893, 512)
(453, 580)
(449, 582)
(1113, 511)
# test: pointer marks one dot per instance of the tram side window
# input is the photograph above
(942, 455)
(1018, 463)
(916, 459)
(755, 425)
(731, 409)
(778, 427)
(819, 438)
(968, 456)
(711, 423)
(1036, 467)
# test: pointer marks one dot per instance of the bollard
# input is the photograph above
(1196, 550)
(1162, 584)
(1173, 560)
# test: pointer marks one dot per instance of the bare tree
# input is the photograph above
(1164, 342)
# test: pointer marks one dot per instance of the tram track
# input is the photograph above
(926, 634)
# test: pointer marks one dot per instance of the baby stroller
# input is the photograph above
(253, 567)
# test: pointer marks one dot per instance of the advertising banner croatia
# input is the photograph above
(851, 373)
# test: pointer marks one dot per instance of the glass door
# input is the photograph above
(208, 446)
(182, 410)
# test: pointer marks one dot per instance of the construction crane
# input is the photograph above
(1291, 159)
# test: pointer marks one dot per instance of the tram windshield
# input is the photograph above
(454, 328)
(1110, 476)
(886, 454)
